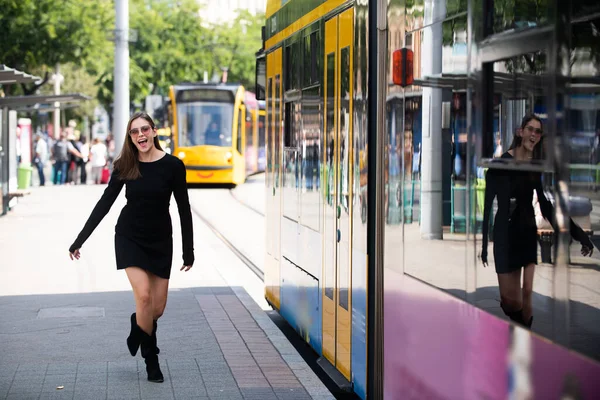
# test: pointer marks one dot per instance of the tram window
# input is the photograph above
(277, 131)
(307, 62)
(261, 130)
(287, 62)
(311, 60)
(292, 65)
(269, 130)
(311, 109)
(239, 132)
(290, 124)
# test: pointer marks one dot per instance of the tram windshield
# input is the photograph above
(205, 123)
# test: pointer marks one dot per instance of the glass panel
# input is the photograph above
(270, 132)
(307, 62)
(289, 175)
(239, 132)
(426, 198)
(269, 166)
(311, 156)
(291, 163)
(582, 120)
(249, 131)
(514, 194)
(329, 163)
(277, 131)
(261, 130)
(344, 171)
(518, 14)
(316, 59)
(205, 124)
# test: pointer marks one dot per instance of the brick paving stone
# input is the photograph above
(216, 341)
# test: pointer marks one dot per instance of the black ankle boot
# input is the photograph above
(150, 356)
(154, 327)
(516, 316)
(134, 339)
(529, 323)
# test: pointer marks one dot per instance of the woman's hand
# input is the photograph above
(484, 256)
(186, 267)
(586, 250)
(75, 254)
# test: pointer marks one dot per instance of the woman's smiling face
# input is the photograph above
(142, 135)
(531, 134)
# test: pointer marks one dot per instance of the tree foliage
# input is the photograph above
(38, 34)
(174, 44)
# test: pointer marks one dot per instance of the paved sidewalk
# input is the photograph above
(215, 341)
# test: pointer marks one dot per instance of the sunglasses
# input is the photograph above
(531, 129)
(136, 131)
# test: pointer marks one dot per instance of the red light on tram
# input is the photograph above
(403, 67)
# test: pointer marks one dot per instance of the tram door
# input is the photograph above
(273, 195)
(337, 230)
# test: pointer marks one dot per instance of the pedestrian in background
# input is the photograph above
(41, 157)
(84, 149)
(98, 159)
(61, 152)
(144, 233)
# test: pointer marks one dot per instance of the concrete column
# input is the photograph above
(121, 78)
(431, 161)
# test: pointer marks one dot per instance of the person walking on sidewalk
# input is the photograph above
(144, 233)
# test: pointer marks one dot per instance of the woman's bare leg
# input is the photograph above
(527, 292)
(510, 291)
(141, 285)
(159, 288)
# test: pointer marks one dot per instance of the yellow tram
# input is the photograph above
(215, 132)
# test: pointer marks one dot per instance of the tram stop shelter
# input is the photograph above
(9, 107)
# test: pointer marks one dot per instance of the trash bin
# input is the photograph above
(24, 176)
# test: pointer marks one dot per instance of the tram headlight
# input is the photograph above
(181, 155)
(228, 156)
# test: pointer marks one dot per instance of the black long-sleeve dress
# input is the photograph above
(515, 229)
(144, 233)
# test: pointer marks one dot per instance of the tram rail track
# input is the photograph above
(238, 253)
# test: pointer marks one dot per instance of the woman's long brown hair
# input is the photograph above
(127, 164)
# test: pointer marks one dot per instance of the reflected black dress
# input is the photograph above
(144, 232)
(515, 229)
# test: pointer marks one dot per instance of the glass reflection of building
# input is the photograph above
(437, 154)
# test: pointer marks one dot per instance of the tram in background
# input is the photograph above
(381, 201)
(215, 132)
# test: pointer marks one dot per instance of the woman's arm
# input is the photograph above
(102, 208)
(548, 212)
(185, 213)
(490, 194)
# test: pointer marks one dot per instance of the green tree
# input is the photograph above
(38, 34)
(236, 45)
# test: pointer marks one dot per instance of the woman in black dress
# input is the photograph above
(144, 234)
(515, 229)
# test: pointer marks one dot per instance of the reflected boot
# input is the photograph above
(149, 352)
(154, 327)
(516, 316)
(135, 336)
(528, 324)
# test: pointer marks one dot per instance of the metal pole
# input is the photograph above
(121, 79)
(431, 173)
(57, 81)
(377, 58)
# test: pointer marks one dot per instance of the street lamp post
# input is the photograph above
(58, 79)
(121, 79)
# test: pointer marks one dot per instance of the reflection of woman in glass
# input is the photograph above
(515, 230)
